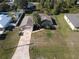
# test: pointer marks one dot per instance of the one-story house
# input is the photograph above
(4, 22)
(72, 20)
(30, 7)
(77, 2)
(45, 17)
(47, 21)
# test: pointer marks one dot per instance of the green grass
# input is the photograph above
(56, 47)
(63, 27)
(49, 34)
(43, 48)
(74, 10)
(6, 45)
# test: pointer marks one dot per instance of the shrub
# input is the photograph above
(4, 7)
(36, 27)
(14, 7)
(57, 10)
(47, 24)
(1, 1)
(37, 19)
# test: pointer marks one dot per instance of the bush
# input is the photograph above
(4, 7)
(47, 24)
(14, 7)
(57, 10)
(1, 1)
(64, 10)
(36, 27)
(37, 19)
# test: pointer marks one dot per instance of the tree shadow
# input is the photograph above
(3, 36)
(54, 21)
(19, 22)
(17, 46)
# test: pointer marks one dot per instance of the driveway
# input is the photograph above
(22, 51)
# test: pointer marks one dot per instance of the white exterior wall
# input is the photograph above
(69, 23)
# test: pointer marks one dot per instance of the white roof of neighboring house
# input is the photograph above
(4, 20)
(77, 2)
(74, 19)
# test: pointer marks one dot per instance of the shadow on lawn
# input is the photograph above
(17, 46)
(3, 36)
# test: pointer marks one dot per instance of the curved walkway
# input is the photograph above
(22, 51)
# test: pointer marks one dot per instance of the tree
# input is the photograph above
(52, 3)
(56, 9)
(36, 21)
(47, 4)
(42, 2)
(1, 1)
(21, 3)
(36, 17)
(4, 7)
(70, 3)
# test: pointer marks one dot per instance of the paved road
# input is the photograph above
(22, 52)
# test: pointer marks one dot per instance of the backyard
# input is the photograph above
(8, 44)
(62, 43)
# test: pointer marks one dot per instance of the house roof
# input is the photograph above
(74, 18)
(30, 5)
(44, 17)
(4, 20)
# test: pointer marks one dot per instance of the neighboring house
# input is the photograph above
(47, 21)
(4, 22)
(77, 2)
(45, 17)
(30, 7)
(72, 20)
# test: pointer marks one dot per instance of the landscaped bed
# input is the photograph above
(8, 44)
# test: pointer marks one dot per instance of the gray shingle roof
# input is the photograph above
(44, 17)
(74, 19)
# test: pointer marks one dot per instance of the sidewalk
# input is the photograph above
(22, 52)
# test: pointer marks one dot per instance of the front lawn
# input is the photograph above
(7, 46)
(63, 27)
(48, 44)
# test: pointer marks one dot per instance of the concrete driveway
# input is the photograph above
(22, 51)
